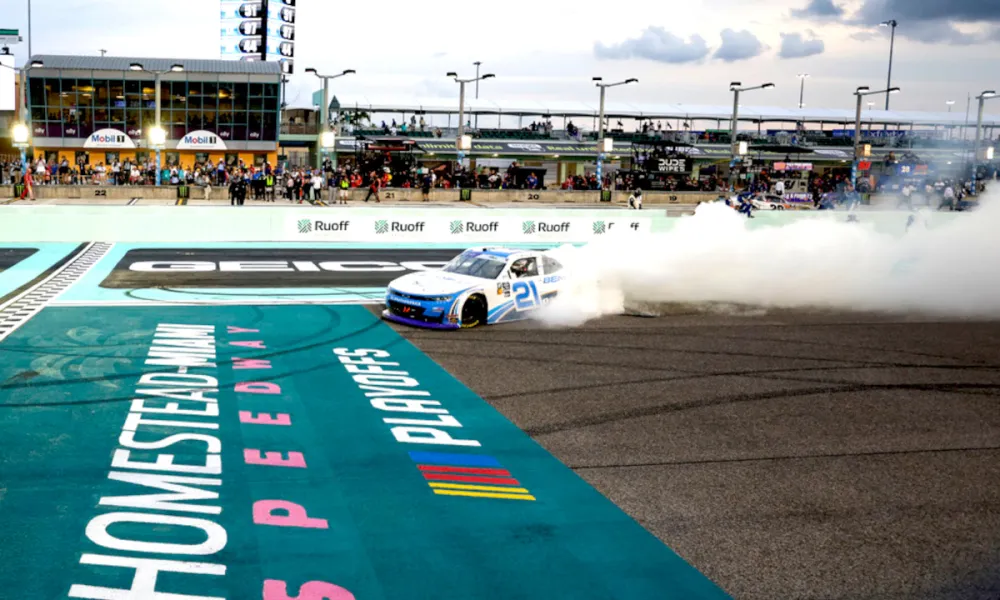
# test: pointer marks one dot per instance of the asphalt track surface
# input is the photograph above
(785, 455)
(11, 256)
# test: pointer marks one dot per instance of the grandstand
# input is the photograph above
(698, 117)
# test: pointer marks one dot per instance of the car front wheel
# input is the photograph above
(474, 312)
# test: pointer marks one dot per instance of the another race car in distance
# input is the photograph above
(481, 286)
(771, 202)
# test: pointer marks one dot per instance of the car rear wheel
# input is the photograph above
(474, 312)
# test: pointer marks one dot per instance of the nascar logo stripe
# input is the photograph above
(458, 460)
(465, 470)
(471, 479)
(455, 474)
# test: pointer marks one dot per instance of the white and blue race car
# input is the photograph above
(481, 286)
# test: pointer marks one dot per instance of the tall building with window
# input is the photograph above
(90, 109)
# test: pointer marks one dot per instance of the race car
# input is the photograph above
(770, 202)
(481, 286)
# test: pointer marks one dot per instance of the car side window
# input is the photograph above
(551, 265)
(524, 267)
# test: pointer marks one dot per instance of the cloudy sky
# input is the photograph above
(680, 51)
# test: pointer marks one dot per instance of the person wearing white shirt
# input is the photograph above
(779, 187)
(635, 200)
(949, 198)
(317, 186)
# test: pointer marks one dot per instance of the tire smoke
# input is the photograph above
(944, 265)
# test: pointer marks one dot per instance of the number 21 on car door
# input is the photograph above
(526, 295)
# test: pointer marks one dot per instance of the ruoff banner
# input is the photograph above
(557, 229)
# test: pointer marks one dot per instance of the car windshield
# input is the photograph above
(475, 264)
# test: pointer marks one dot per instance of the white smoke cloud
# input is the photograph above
(944, 265)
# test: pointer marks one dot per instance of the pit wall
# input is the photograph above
(387, 224)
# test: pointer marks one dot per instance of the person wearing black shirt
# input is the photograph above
(234, 189)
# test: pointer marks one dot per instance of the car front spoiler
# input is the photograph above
(387, 315)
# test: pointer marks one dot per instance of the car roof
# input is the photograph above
(504, 253)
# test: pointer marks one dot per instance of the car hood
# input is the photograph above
(435, 283)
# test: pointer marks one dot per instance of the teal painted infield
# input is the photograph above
(356, 496)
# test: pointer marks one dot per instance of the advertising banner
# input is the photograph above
(673, 165)
(109, 138)
(201, 140)
(327, 227)
(8, 98)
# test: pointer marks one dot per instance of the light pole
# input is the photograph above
(979, 125)
(802, 88)
(157, 137)
(478, 64)
(860, 93)
(324, 113)
(459, 141)
(892, 43)
(25, 116)
(602, 146)
(735, 88)
(950, 103)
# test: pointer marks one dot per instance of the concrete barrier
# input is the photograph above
(556, 197)
(312, 224)
(383, 224)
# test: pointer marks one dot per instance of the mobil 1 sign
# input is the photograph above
(462, 226)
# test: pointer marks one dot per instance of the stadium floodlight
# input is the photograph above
(324, 113)
(735, 88)
(21, 134)
(157, 137)
(605, 145)
(892, 44)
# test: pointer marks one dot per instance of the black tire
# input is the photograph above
(474, 312)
